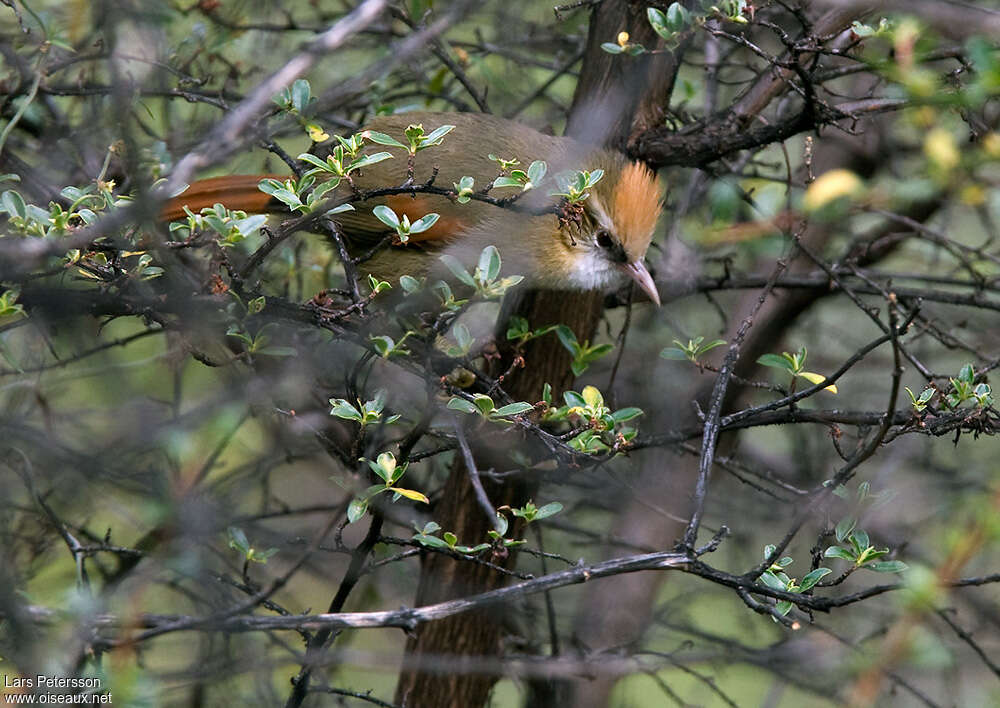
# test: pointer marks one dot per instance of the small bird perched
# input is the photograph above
(599, 247)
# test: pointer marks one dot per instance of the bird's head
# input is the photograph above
(608, 243)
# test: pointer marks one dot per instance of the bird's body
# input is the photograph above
(605, 243)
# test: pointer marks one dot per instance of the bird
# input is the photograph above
(602, 245)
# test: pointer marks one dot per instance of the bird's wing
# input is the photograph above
(464, 152)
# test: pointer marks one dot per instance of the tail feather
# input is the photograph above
(235, 192)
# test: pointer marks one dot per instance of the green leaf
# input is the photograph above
(343, 409)
(813, 577)
(890, 566)
(489, 263)
(775, 361)
(431, 541)
(409, 284)
(386, 215)
(771, 580)
(460, 404)
(659, 22)
(367, 160)
(484, 403)
(859, 540)
(536, 172)
(382, 139)
(568, 339)
(457, 269)
(550, 509)
(424, 223)
(513, 409)
(238, 540)
(612, 48)
(506, 182)
(624, 414)
(435, 136)
(967, 374)
(839, 552)
(300, 95)
(845, 527)
(677, 16)
(13, 203)
(315, 162)
(385, 463)
(674, 354)
(356, 509)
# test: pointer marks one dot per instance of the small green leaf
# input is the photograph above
(382, 139)
(460, 404)
(386, 215)
(343, 409)
(550, 509)
(513, 409)
(506, 182)
(839, 552)
(859, 540)
(674, 354)
(457, 269)
(301, 94)
(776, 361)
(813, 577)
(771, 580)
(435, 136)
(409, 284)
(568, 339)
(890, 566)
(238, 540)
(356, 509)
(624, 414)
(367, 160)
(489, 263)
(424, 223)
(484, 403)
(844, 527)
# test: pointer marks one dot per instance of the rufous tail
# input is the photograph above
(237, 192)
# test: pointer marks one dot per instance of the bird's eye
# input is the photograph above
(604, 240)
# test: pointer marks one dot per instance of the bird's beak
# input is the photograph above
(637, 272)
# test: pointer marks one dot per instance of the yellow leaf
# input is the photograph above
(592, 396)
(817, 379)
(991, 145)
(316, 133)
(830, 186)
(940, 148)
(972, 195)
(410, 494)
(622, 39)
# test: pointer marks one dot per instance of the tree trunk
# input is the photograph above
(610, 95)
